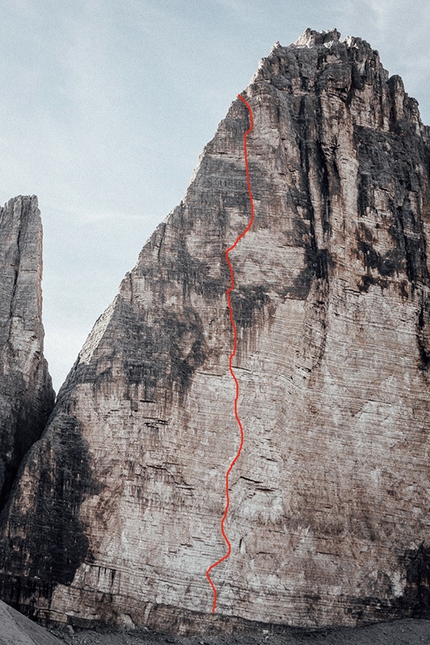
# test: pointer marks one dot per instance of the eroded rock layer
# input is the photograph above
(116, 516)
(26, 394)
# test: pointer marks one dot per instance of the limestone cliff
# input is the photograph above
(116, 515)
(26, 394)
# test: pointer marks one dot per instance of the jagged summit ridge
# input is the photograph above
(351, 69)
(310, 38)
(122, 497)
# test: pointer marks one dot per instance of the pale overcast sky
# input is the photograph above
(106, 105)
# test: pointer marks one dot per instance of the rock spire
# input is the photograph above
(26, 394)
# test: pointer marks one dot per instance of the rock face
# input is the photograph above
(116, 515)
(26, 394)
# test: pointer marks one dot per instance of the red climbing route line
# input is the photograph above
(232, 355)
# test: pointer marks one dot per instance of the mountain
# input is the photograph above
(26, 394)
(115, 517)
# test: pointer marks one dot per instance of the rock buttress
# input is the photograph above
(329, 515)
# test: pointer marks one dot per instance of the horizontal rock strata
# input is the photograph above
(116, 515)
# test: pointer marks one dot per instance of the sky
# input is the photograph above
(106, 105)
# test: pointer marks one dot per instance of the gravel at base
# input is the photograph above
(402, 632)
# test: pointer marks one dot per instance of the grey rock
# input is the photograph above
(122, 497)
(310, 37)
(26, 394)
(16, 629)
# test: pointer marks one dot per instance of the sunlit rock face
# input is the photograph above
(26, 394)
(116, 514)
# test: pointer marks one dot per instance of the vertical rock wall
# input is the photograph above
(116, 514)
(26, 394)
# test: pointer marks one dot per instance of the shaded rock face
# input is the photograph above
(116, 514)
(26, 394)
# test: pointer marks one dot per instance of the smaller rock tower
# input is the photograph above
(26, 394)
